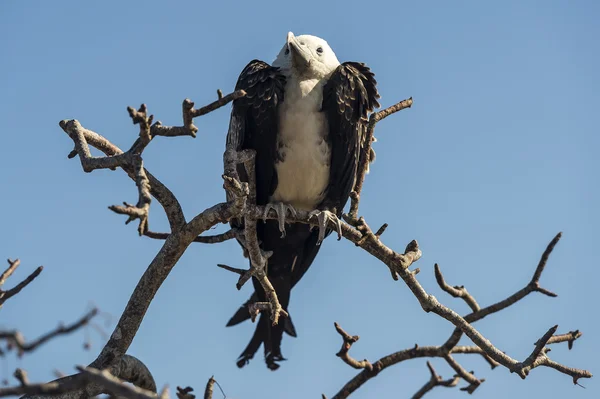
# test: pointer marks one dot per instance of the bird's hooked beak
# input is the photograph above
(300, 55)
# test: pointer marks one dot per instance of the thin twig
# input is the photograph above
(435, 381)
(343, 354)
(16, 338)
(365, 154)
(457, 291)
(212, 239)
(569, 337)
(12, 266)
(464, 374)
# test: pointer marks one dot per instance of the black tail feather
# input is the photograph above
(268, 335)
(255, 342)
(291, 257)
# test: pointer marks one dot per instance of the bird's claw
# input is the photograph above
(281, 210)
(323, 218)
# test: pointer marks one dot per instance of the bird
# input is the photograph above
(305, 116)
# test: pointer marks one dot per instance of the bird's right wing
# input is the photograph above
(254, 122)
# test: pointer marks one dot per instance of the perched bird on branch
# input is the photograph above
(305, 117)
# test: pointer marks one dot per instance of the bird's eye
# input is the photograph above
(320, 50)
(287, 50)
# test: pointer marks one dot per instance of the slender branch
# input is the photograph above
(435, 381)
(17, 340)
(189, 113)
(223, 100)
(365, 154)
(533, 286)
(50, 388)
(457, 291)
(212, 239)
(346, 344)
(576, 374)
(12, 266)
(569, 337)
(464, 374)
(474, 349)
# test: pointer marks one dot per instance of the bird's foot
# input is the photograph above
(323, 217)
(243, 360)
(281, 210)
(272, 359)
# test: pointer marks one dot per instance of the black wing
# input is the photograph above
(348, 97)
(254, 122)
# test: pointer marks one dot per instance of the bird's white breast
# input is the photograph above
(304, 153)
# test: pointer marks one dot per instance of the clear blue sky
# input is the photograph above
(497, 155)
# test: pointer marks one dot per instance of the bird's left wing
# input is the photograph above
(349, 96)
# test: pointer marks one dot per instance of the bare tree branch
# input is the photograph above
(162, 194)
(464, 374)
(365, 155)
(12, 266)
(457, 291)
(569, 337)
(128, 369)
(346, 344)
(533, 286)
(493, 355)
(15, 338)
(183, 234)
(117, 387)
(213, 239)
(435, 381)
(50, 388)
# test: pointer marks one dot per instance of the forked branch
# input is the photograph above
(491, 354)
(12, 266)
(435, 381)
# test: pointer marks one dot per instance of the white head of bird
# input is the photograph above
(306, 56)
